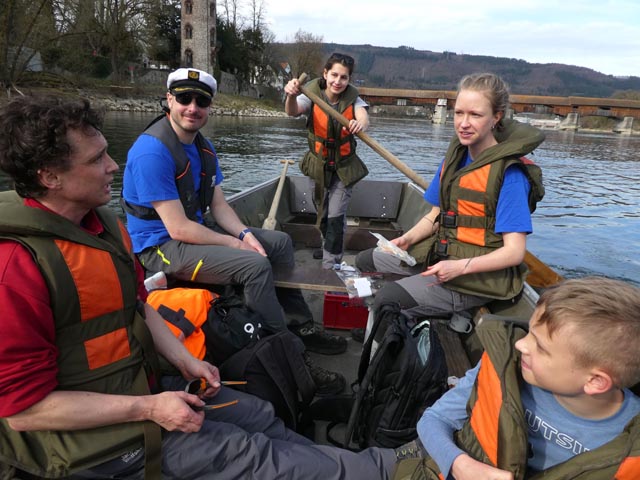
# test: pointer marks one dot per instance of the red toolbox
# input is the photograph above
(340, 311)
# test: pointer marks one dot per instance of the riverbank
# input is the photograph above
(117, 98)
(222, 105)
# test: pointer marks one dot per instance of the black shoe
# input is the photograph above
(413, 449)
(327, 383)
(317, 254)
(358, 334)
(319, 341)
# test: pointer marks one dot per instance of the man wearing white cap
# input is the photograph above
(171, 177)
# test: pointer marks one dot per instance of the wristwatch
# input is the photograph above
(243, 233)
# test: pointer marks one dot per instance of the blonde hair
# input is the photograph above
(494, 88)
(604, 316)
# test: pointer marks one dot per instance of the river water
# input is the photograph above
(588, 222)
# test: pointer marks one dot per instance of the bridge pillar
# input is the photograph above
(625, 126)
(440, 112)
(572, 122)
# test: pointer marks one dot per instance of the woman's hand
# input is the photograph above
(355, 126)
(446, 270)
(401, 242)
(292, 88)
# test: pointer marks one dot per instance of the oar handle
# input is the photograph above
(383, 152)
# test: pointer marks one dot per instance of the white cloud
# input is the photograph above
(602, 35)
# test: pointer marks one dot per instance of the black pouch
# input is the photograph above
(230, 327)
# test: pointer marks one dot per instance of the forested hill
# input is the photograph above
(405, 67)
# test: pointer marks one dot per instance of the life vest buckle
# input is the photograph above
(442, 248)
(449, 220)
(329, 143)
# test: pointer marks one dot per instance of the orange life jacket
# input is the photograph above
(190, 305)
(331, 147)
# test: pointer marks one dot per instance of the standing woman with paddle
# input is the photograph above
(331, 160)
(482, 196)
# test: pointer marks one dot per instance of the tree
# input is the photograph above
(164, 35)
(243, 41)
(305, 54)
(26, 27)
(120, 25)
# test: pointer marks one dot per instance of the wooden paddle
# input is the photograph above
(270, 222)
(540, 274)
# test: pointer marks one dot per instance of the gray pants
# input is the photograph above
(246, 441)
(418, 296)
(219, 265)
(334, 222)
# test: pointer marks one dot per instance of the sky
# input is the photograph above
(601, 35)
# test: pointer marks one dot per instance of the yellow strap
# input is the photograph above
(196, 270)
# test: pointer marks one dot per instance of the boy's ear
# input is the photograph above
(599, 382)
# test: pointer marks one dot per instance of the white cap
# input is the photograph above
(192, 80)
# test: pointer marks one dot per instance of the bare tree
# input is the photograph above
(257, 11)
(230, 16)
(305, 54)
(26, 27)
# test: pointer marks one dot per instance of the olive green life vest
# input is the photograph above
(103, 343)
(498, 434)
(468, 204)
(331, 148)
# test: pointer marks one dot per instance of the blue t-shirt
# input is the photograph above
(150, 176)
(512, 211)
(554, 433)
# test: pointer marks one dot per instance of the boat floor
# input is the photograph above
(347, 363)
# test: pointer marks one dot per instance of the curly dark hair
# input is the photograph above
(34, 136)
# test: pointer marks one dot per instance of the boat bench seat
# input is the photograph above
(308, 278)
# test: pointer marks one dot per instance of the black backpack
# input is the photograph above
(275, 371)
(395, 386)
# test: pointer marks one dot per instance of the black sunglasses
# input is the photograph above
(346, 59)
(187, 98)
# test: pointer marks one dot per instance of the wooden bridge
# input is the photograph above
(561, 106)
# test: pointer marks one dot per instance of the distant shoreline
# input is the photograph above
(229, 105)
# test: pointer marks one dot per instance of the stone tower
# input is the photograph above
(198, 37)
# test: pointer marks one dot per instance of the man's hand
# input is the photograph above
(250, 242)
(195, 368)
(466, 468)
(173, 411)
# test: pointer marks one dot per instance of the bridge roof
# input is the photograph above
(513, 99)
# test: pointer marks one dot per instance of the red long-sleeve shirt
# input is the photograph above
(28, 352)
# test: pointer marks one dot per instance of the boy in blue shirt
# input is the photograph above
(554, 402)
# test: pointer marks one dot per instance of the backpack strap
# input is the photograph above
(294, 349)
(392, 337)
(387, 311)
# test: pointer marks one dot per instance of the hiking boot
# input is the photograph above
(317, 254)
(327, 383)
(319, 341)
(358, 334)
(413, 449)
